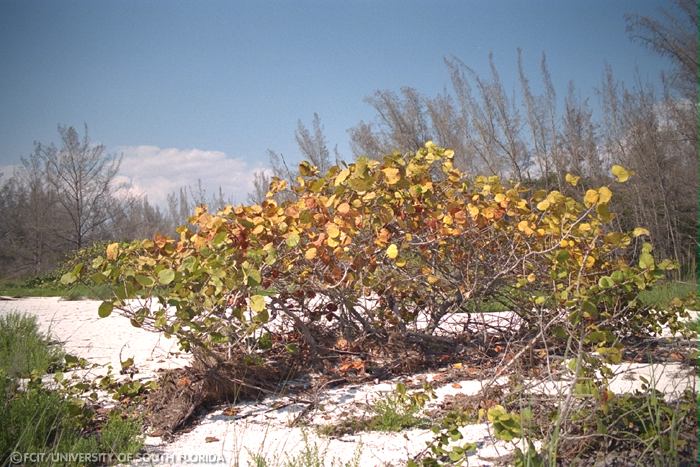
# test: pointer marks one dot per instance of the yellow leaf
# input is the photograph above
(341, 177)
(258, 229)
(332, 242)
(112, 251)
(585, 227)
(447, 219)
(620, 173)
(499, 198)
(332, 230)
(572, 179)
(590, 198)
(343, 208)
(604, 195)
(531, 278)
(392, 175)
(310, 253)
(639, 231)
(524, 226)
(473, 210)
(432, 279)
(393, 251)
(543, 205)
(257, 303)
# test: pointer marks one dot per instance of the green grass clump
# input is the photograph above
(659, 297)
(392, 414)
(120, 435)
(36, 419)
(46, 421)
(24, 349)
(658, 431)
(694, 326)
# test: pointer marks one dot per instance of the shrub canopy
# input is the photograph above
(377, 246)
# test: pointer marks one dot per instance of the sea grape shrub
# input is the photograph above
(377, 246)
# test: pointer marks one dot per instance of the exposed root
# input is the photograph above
(183, 391)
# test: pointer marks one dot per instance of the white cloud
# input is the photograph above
(155, 172)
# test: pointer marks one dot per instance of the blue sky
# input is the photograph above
(224, 81)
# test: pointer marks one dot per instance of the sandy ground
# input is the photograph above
(234, 437)
(99, 340)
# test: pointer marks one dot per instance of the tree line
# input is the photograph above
(66, 197)
(537, 138)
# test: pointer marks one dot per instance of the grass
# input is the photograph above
(311, 455)
(51, 289)
(660, 296)
(694, 326)
(36, 419)
(392, 413)
(643, 424)
(24, 349)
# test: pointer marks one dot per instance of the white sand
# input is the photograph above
(99, 340)
(259, 428)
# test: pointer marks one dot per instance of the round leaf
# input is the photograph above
(620, 173)
(293, 240)
(166, 276)
(105, 309)
(68, 278)
(257, 303)
(310, 253)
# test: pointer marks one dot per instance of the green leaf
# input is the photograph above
(219, 238)
(105, 309)
(646, 261)
(262, 316)
(589, 309)
(617, 276)
(144, 280)
(293, 240)
(611, 354)
(257, 303)
(253, 276)
(68, 278)
(166, 276)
